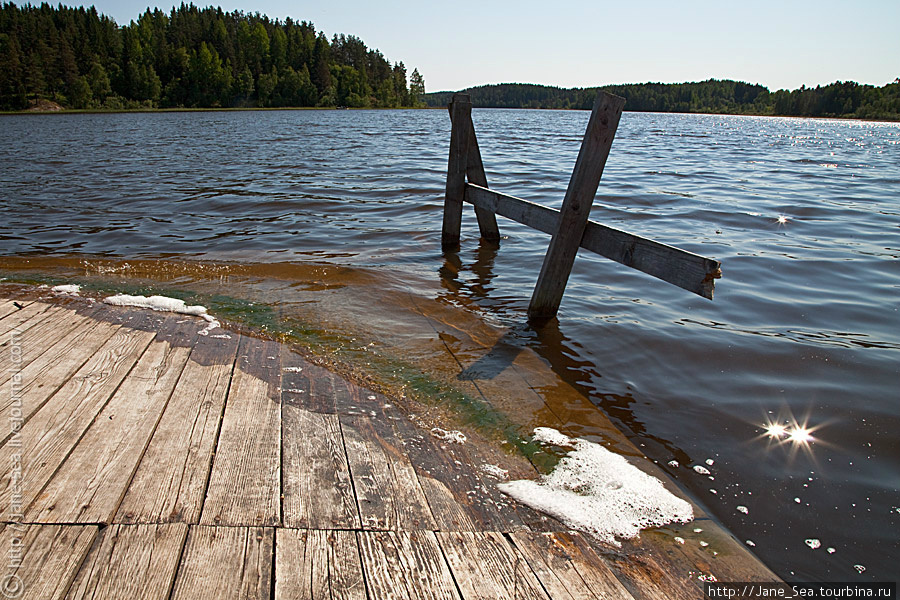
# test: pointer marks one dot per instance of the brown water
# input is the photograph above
(324, 227)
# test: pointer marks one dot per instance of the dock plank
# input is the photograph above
(568, 567)
(31, 386)
(318, 565)
(47, 558)
(34, 341)
(90, 484)
(48, 437)
(245, 483)
(22, 319)
(131, 561)
(7, 307)
(405, 565)
(486, 566)
(387, 487)
(170, 482)
(318, 492)
(225, 562)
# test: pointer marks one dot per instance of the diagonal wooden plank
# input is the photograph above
(225, 562)
(22, 319)
(55, 323)
(46, 439)
(318, 565)
(9, 306)
(568, 567)
(405, 564)
(318, 492)
(486, 566)
(131, 561)
(245, 483)
(92, 480)
(170, 482)
(386, 485)
(43, 559)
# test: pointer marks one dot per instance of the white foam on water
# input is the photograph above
(813, 543)
(495, 471)
(701, 469)
(71, 290)
(743, 509)
(457, 437)
(165, 304)
(599, 492)
(673, 463)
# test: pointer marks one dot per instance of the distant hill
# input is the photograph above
(839, 99)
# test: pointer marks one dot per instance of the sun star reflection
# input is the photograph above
(782, 219)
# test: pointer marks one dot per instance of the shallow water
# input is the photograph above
(327, 224)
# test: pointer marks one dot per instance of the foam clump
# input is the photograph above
(71, 290)
(165, 304)
(598, 492)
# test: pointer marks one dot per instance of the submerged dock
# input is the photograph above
(144, 460)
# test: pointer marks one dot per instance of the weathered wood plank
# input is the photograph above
(576, 206)
(31, 386)
(90, 484)
(245, 483)
(568, 567)
(318, 492)
(487, 222)
(47, 438)
(54, 324)
(405, 565)
(226, 562)
(387, 489)
(22, 319)
(318, 565)
(170, 482)
(9, 306)
(42, 560)
(131, 561)
(461, 119)
(486, 566)
(679, 267)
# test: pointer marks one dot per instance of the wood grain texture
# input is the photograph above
(318, 565)
(43, 559)
(460, 118)
(568, 567)
(170, 482)
(405, 564)
(225, 562)
(31, 386)
(56, 324)
(576, 206)
(387, 488)
(46, 440)
(23, 318)
(687, 270)
(90, 484)
(318, 492)
(245, 483)
(9, 306)
(131, 561)
(486, 566)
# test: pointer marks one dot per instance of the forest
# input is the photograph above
(839, 99)
(189, 57)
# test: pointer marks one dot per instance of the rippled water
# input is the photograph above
(803, 214)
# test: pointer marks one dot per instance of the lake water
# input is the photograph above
(330, 218)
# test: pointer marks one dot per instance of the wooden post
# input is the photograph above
(487, 222)
(576, 207)
(461, 120)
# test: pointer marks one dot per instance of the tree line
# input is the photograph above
(840, 99)
(189, 57)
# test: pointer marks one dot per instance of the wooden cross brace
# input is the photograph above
(569, 226)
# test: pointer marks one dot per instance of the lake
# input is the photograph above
(326, 224)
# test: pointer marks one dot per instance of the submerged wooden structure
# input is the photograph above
(570, 226)
(144, 460)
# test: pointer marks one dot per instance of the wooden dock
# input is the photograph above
(146, 461)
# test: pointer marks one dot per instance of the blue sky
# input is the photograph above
(777, 43)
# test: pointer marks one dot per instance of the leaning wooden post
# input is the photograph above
(487, 222)
(461, 120)
(576, 207)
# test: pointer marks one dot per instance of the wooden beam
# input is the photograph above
(679, 267)
(576, 206)
(487, 222)
(460, 118)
